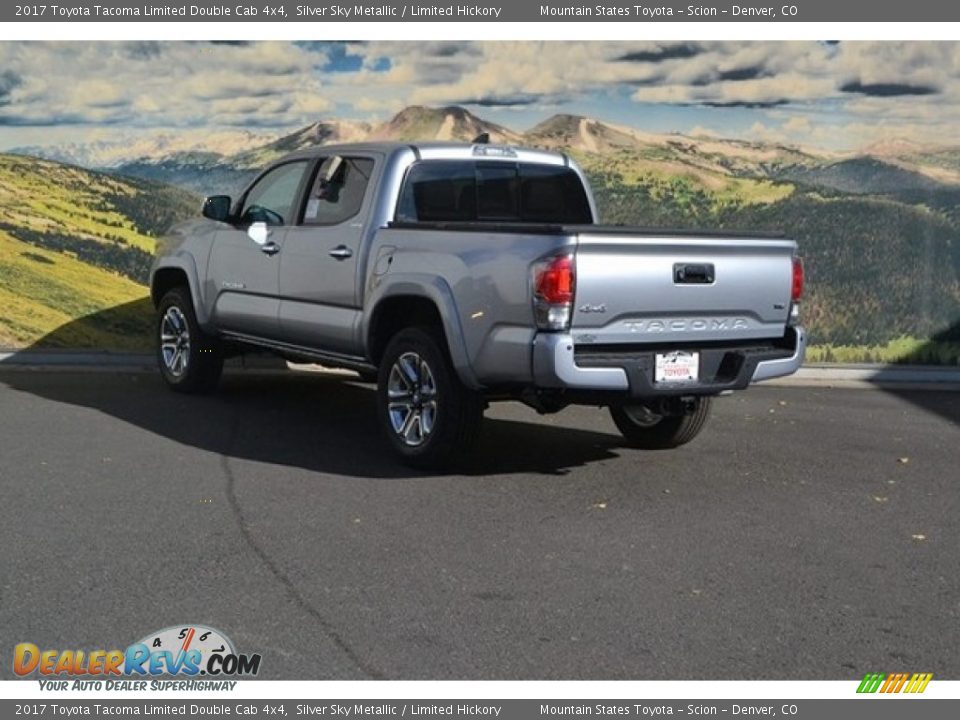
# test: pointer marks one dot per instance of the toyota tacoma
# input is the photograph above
(455, 275)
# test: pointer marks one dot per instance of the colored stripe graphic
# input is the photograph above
(901, 679)
(890, 681)
(870, 683)
(918, 682)
(894, 683)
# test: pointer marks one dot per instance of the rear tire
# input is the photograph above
(428, 416)
(190, 360)
(644, 429)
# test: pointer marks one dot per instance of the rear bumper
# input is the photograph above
(783, 366)
(559, 364)
(555, 366)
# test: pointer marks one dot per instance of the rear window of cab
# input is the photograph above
(484, 191)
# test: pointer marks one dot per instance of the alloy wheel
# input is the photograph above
(412, 399)
(175, 341)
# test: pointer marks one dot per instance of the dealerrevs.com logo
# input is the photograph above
(179, 651)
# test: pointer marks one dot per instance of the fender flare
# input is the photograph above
(436, 290)
(187, 265)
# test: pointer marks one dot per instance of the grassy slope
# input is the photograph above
(53, 219)
(44, 292)
(672, 177)
(905, 349)
(43, 195)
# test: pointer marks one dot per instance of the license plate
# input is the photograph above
(677, 367)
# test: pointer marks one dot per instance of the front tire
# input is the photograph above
(190, 360)
(427, 415)
(642, 428)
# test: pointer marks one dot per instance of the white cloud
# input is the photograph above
(155, 84)
(886, 87)
(798, 125)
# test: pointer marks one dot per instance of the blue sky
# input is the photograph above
(836, 96)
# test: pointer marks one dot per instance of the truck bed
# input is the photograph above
(559, 229)
(641, 285)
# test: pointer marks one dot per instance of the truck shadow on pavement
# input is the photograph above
(939, 351)
(315, 421)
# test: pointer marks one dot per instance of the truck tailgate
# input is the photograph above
(652, 288)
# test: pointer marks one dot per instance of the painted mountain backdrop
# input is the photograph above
(879, 228)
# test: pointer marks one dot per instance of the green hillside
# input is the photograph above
(74, 243)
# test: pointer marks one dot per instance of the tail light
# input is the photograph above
(554, 284)
(796, 291)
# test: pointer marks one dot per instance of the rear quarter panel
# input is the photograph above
(488, 310)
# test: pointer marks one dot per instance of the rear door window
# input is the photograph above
(336, 201)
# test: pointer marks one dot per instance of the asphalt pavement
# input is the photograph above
(807, 533)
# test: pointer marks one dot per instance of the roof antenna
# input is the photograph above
(482, 139)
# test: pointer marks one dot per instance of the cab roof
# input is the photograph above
(439, 151)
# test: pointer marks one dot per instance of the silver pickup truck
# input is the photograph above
(459, 274)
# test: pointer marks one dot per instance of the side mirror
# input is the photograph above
(217, 207)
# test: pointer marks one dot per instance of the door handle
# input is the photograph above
(341, 252)
(270, 248)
